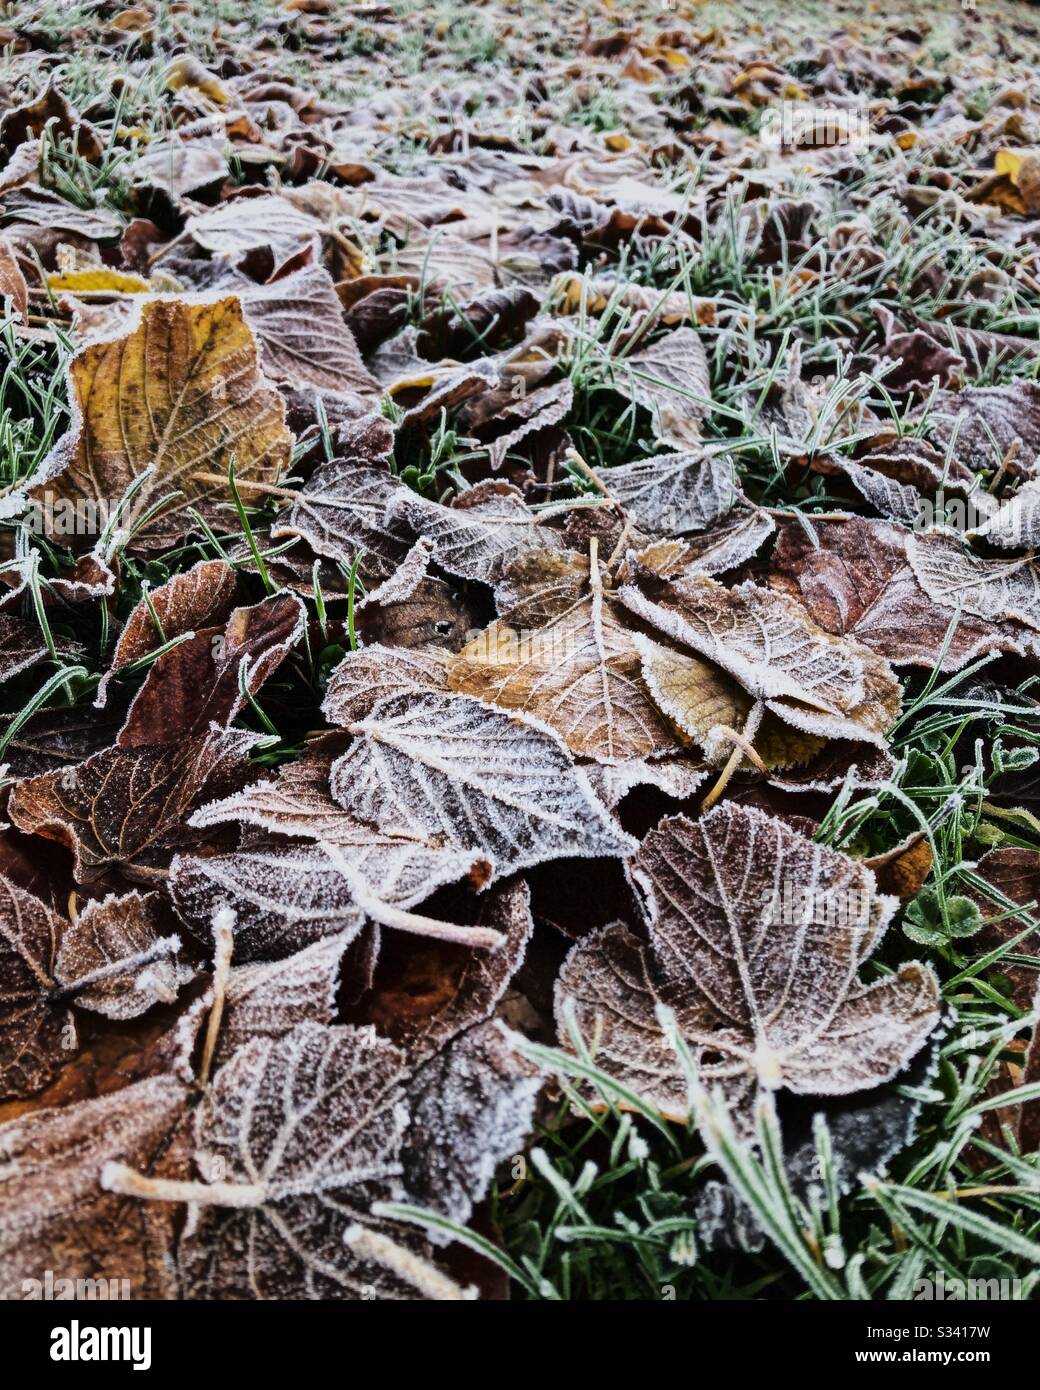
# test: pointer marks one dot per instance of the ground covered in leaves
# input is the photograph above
(518, 649)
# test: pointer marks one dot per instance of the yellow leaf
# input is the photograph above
(187, 71)
(180, 393)
(1008, 162)
(113, 280)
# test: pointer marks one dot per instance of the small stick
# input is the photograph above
(741, 748)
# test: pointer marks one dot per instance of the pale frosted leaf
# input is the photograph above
(303, 336)
(997, 590)
(373, 673)
(314, 1122)
(284, 898)
(757, 936)
(486, 781)
(270, 999)
(695, 695)
(484, 526)
(670, 378)
(235, 228)
(675, 777)
(544, 407)
(342, 513)
(1016, 526)
(732, 539)
(671, 494)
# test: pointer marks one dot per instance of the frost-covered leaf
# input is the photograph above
(998, 590)
(369, 675)
(471, 1106)
(271, 998)
(284, 897)
(128, 808)
(486, 781)
(55, 1215)
(199, 682)
(672, 494)
(342, 513)
(201, 597)
(36, 1035)
(21, 646)
(304, 339)
(268, 223)
(311, 1124)
(670, 378)
(1016, 526)
(757, 936)
(545, 407)
(180, 393)
(180, 166)
(824, 685)
(119, 956)
(579, 673)
(483, 527)
(857, 582)
(987, 420)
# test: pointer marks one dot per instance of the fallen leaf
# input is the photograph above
(756, 940)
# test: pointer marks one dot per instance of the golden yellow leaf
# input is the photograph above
(182, 393)
(101, 279)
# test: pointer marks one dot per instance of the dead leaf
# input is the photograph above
(181, 394)
(757, 937)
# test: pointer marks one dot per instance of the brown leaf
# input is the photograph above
(857, 582)
(199, 682)
(580, 674)
(36, 1035)
(342, 512)
(56, 1216)
(201, 597)
(303, 336)
(119, 958)
(127, 808)
(756, 940)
